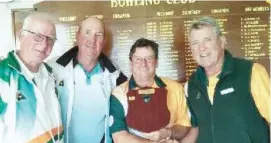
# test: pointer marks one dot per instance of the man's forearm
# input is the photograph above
(178, 132)
(125, 137)
(191, 136)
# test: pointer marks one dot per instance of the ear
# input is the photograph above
(130, 64)
(77, 34)
(105, 35)
(20, 34)
(156, 64)
(223, 41)
(104, 41)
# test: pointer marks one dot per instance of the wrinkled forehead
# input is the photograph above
(93, 24)
(143, 51)
(42, 26)
(203, 27)
(203, 31)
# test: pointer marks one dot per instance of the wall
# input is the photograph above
(6, 34)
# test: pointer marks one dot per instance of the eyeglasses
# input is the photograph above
(39, 37)
(140, 60)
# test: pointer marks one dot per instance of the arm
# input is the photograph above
(191, 136)
(118, 126)
(2, 125)
(260, 89)
(125, 137)
(178, 132)
(182, 124)
(6, 96)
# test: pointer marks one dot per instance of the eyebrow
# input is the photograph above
(144, 57)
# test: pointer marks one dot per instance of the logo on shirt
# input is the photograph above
(226, 91)
(131, 98)
(61, 83)
(198, 95)
(20, 96)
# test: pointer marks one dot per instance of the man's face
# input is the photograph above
(37, 41)
(206, 47)
(90, 38)
(143, 63)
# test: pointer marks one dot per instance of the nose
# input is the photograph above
(202, 46)
(92, 38)
(144, 62)
(44, 41)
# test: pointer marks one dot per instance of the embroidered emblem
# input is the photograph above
(131, 98)
(226, 91)
(198, 96)
(20, 96)
(147, 98)
(61, 83)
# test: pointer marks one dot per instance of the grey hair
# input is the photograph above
(91, 18)
(28, 21)
(205, 22)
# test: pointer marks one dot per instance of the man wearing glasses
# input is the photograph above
(147, 108)
(29, 108)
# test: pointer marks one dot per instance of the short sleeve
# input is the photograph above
(177, 104)
(117, 121)
(260, 88)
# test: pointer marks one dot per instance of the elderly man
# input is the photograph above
(85, 79)
(29, 108)
(147, 108)
(229, 97)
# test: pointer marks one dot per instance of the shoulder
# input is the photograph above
(52, 62)
(258, 67)
(58, 70)
(120, 90)
(258, 71)
(240, 62)
(5, 70)
(172, 84)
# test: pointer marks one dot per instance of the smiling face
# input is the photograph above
(143, 66)
(90, 38)
(207, 48)
(36, 40)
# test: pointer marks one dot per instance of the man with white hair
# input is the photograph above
(29, 108)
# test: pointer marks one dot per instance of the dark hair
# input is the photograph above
(144, 43)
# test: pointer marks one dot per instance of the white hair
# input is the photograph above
(29, 20)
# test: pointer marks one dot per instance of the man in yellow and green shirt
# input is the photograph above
(228, 97)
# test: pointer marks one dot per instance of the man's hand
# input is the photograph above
(172, 141)
(160, 135)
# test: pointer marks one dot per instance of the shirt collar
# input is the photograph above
(104, 61)
(26, 72)
(157, 83)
